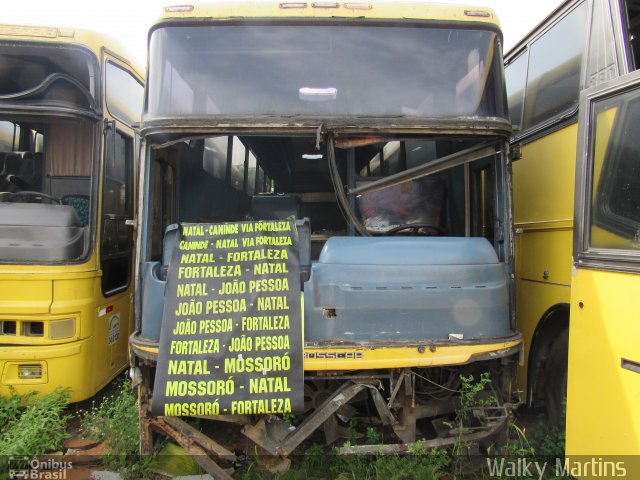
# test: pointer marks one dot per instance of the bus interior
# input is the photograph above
(455, 217)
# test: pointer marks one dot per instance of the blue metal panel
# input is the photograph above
(368, 289)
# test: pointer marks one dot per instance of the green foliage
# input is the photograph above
(547, 440)
(469, 395)
(36, 429)
(374, 437)
(11, 407)
(353, 434)
(314, 458)
(115, 421)
(419, 463)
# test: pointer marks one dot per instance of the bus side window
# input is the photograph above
(615, 210)
(555, 60)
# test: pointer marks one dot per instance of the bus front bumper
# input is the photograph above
(43, 368)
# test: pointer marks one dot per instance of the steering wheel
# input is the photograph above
(415, 228)
(31, 193)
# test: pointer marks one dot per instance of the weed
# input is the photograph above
(352, 433)
(115, 421)
(374, 437)
(313, 459)
(36, 429)
(12, 405)
(469, 395)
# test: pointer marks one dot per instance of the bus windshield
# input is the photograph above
(323, 70)
(45, 186)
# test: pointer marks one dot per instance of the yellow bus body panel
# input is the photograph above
(83, 362)
(25, 295)
(543, 190)
(605, 328)
(396, 10)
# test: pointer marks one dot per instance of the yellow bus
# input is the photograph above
(582, 43)
(68, 102)
(604, 353)
(381, 130)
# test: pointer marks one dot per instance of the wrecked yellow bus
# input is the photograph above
(68, 102)
(325, 189)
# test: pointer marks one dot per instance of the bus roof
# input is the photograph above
(330, 9)
(93, 41)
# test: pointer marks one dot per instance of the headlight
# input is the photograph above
(29, 371)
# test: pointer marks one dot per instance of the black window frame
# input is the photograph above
(120, 219)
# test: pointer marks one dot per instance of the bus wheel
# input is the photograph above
(555, 374)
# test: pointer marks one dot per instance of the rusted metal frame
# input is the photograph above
(197, 452)
(363, 127)
(396, 389)
(267, 435)
(444, 163)
(237, 419)
(200, 438)
(383, 410)
(406, 429)
(400, 448)
(341, 396)
(146, 435)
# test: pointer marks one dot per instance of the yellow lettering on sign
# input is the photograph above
(193, 245)
(269, 268)
(240, 364)
(192, 388)
(255, 407)
(267, 322)
(194, 347)
(188, 367)
(218, 325)
(232, 305)
(191, 409)
(273, 303)
(191, 290)
(187, 258)
(269, 385)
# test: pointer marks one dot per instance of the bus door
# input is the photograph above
(123, 94)
(603, 417)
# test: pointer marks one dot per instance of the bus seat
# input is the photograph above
(36, 174)
(274, 207)
(171, 238)
(153, 282)
(81, 205)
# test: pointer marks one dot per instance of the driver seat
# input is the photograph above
(12, 165)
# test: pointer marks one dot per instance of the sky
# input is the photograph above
(129, 20)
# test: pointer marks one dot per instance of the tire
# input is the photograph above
(555, 375)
